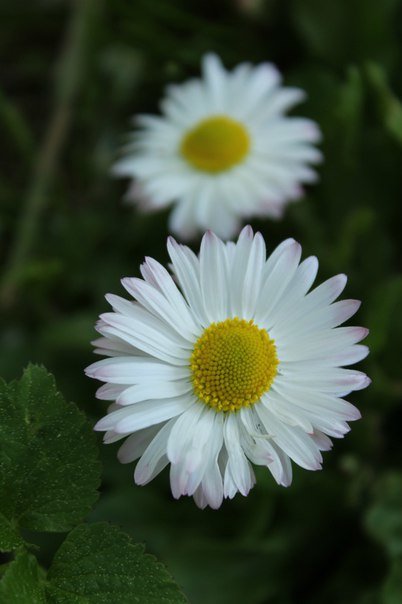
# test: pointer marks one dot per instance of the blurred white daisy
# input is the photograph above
(223, 150)
(239, 365)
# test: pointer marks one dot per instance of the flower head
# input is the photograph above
(222, 150)
(235, 361)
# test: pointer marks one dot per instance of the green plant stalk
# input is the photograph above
(18, 130)
(68, 79)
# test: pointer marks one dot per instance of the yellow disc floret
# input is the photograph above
(215, 144)
(233, 363)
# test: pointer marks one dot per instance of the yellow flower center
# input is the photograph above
(233, 363)
(215, 144)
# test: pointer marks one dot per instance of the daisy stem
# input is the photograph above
(66, 86)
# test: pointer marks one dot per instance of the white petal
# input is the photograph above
(253, 88)
(109, 392)
(253, 437)
(332, 380)
(111, 437)
(317, 402)
(280, 101)
(154, 457)
(114, 346)
(148, 334)
(253, 277)
(190, 99)
(306, 416)
(238, 269)
(187, 473)
(135, 445)
(153, 390)
(156, 303)
(200, 498)
(287, 412)
(213, 277)
(326, 317)
(205, 200)
(211, 210)
(322, 441)
(296, 289)
(347, 356)
(182, 220)
(212, 486)
(292, 440)
(110, 421)
(120, 305)
(268, 452)
(142, 415)
(278, 275)
(212, 483)
(295, 129)
(134, 370)
(169, 289)
(327, 292)
(183, 432)
(320, 345)
(215, 81)
(187, 270)
(238, 468)
(281, 467)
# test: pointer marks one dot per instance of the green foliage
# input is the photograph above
(98, 564)
(383, 307)
(346, 31)
(23, 582)
(9, 537)
(384, 518)
(389, 106)
(392, 591)
(49, 472)
(384, 522)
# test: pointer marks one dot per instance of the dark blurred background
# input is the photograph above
(72, 75)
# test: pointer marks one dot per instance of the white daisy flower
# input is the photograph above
(237, 363)
(223, 150)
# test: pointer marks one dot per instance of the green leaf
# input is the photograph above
(100, 564)
(9, 537)
(385, 302)
(389, 106)
(209, 567)
(349, 110)
(340, 32)
(392, 592)
(384, 518)
(22, 582)
(357, 223)
(319, 27)
(49, 469)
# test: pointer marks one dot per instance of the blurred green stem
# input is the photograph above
(18, 130)
(67, 83)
